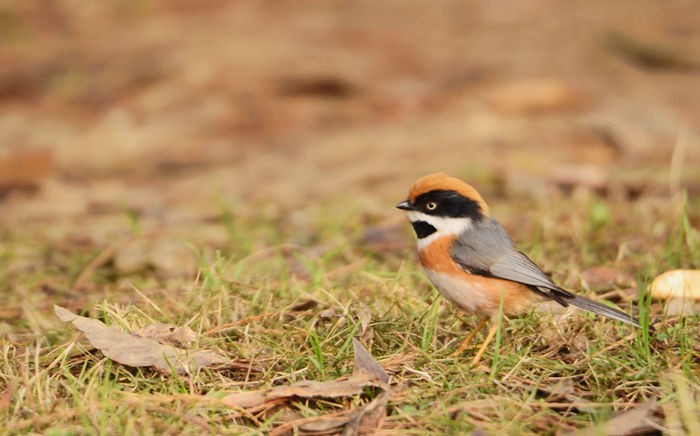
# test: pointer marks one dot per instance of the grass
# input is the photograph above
(542, 374)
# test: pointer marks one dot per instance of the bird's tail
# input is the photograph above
(602, 309)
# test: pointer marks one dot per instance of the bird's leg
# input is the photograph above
(489, 337)
(465, 343)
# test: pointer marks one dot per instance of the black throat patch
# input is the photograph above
(423, 229)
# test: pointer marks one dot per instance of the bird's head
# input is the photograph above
(439, 205)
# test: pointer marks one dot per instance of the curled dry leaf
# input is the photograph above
(321, 425)
(370, 417)
(181, 337)
(364, 316)
(367, 372)
(366, 366)
(129, 350)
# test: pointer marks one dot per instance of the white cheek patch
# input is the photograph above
(446, 226)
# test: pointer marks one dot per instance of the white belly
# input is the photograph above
(468, 296)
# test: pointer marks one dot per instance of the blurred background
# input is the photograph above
(188, 117)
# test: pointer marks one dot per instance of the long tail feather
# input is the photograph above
(602, 309)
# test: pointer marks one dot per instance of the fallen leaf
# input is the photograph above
(245, 400)
(130, 350)
(329, 315)
(181, 337)
(366, 372)
(324, 425)
(366, 366)
(303, 305)
(363, 420)
(342, 387)
(364, 316)
(369, 418)
(632, 422)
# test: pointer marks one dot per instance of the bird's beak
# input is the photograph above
(405, 205)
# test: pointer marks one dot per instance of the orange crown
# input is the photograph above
(441, 181)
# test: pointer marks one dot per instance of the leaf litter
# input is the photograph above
(162, 347)
(367, 373)
(141, 351)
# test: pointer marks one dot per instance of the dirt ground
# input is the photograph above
(194, 120)
(172, 111)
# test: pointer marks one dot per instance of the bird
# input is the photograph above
(473, 262)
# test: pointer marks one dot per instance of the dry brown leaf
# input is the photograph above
(180, 337)
(364, 316)
(129, 350)
(303, 305)
(369, 418)
(343, 387)
(632, 422)
(366, 372)
(366, 366)
(363, 420)
(323, 425)
(330, 389)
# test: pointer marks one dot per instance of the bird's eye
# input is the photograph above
(431, 205)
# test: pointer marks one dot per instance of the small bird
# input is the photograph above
(472, 261)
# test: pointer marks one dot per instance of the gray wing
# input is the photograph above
(487, 249)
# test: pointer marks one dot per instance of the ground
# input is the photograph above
(233, 167)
